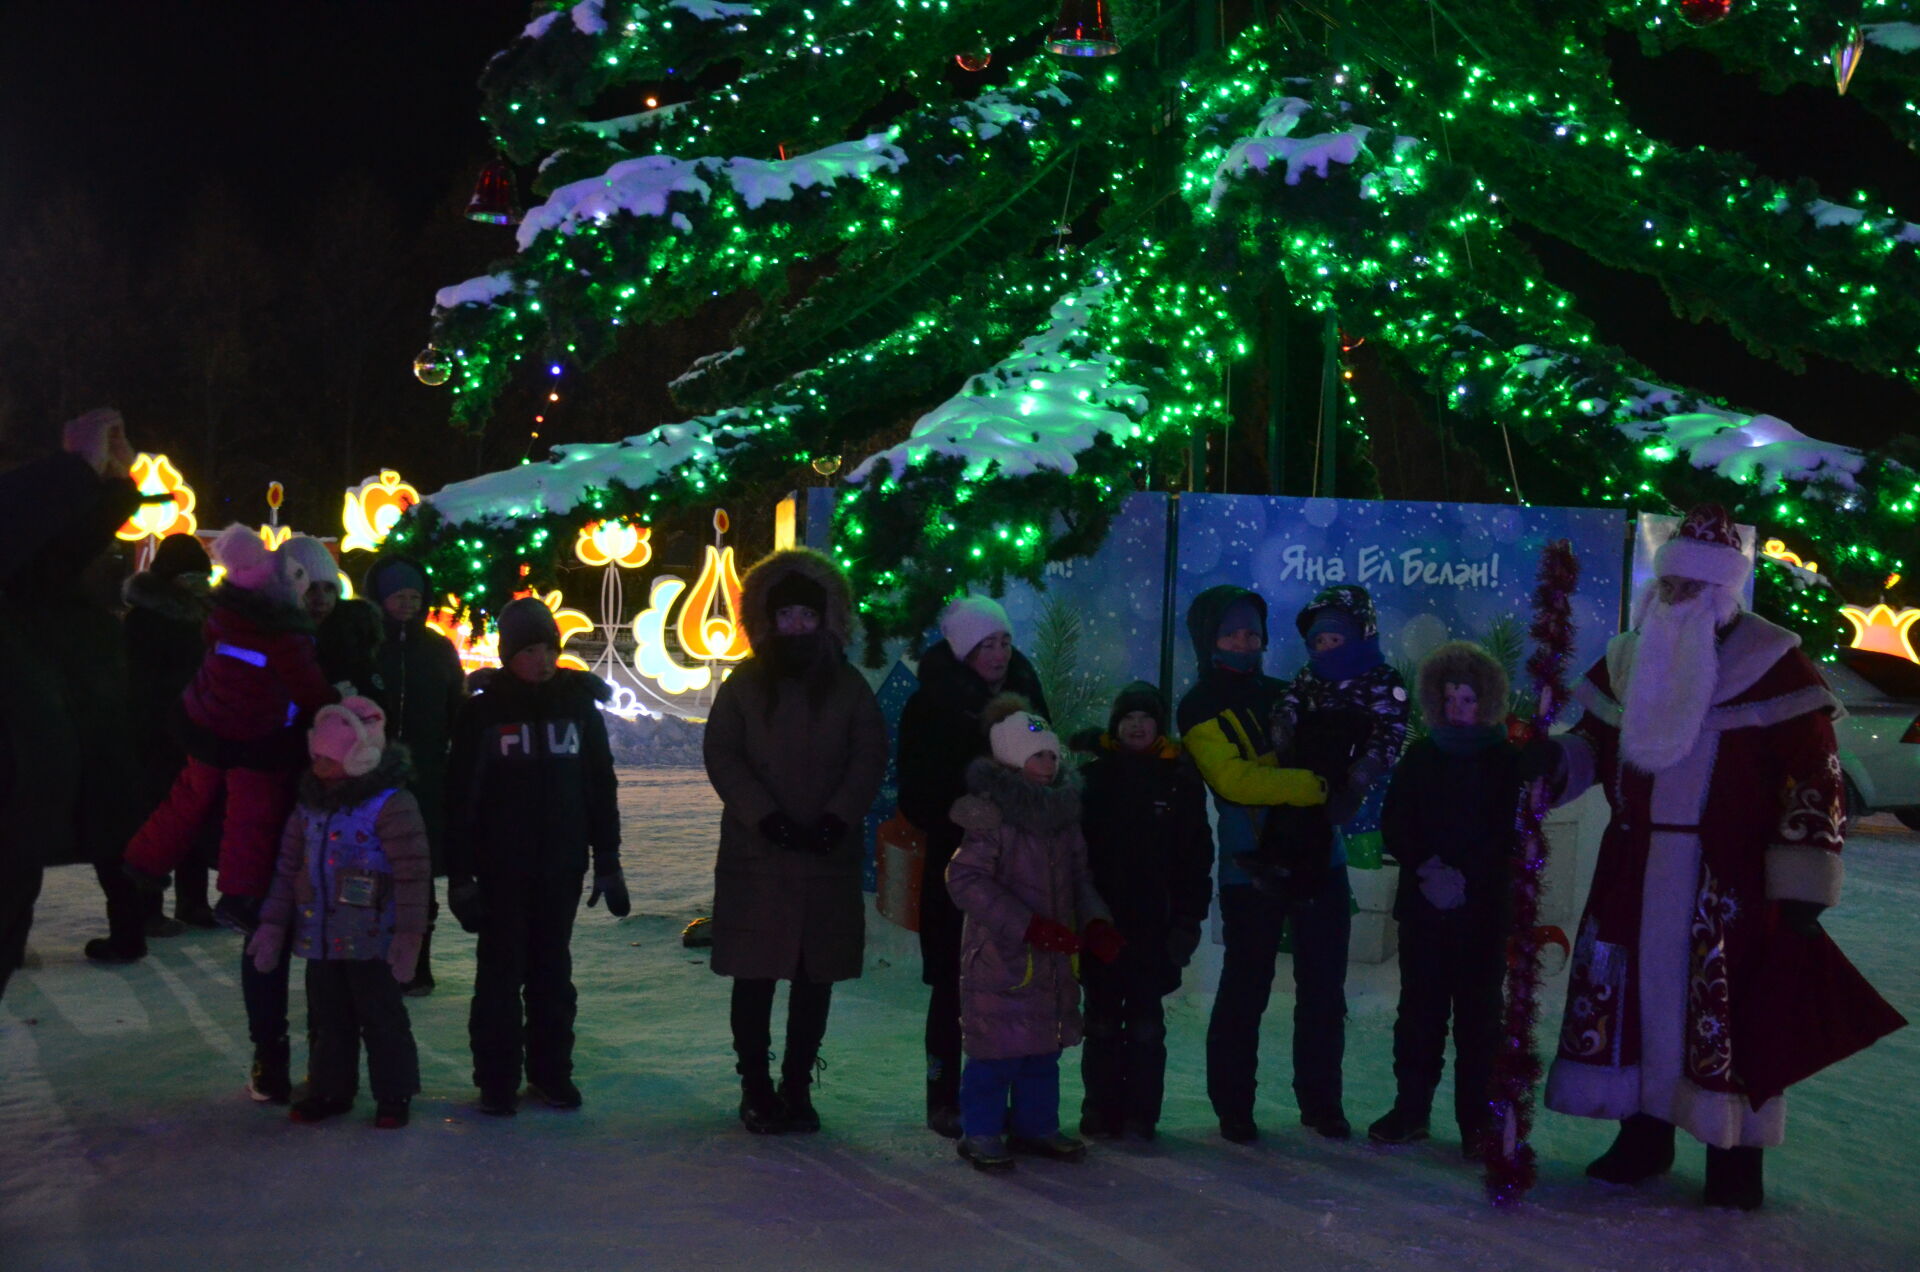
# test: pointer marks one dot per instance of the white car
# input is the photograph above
(1880, 738)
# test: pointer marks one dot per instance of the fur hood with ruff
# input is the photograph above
(168, 598)
(394, 769)
(770, 570)
(1461, 662)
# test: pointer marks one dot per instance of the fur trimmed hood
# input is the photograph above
(1461, 662)
(1000, 795)
(772, 569)
(173, 598)
(394, 769)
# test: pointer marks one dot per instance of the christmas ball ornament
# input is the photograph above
(1083, 29)
(493, 199)
(1847, 52)
(1704, 13)
(826, 465)
(979, 60)
(433, 368)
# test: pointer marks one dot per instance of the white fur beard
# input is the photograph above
(1670, 685)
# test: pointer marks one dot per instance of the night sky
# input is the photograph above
(144, 104)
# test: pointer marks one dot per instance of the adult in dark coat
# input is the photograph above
(167, 605)
(940, 734)
(56, 763)
(796, 748)
(1144, 815)
(346, 633)
(419, 681)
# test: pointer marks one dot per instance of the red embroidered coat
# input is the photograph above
(1753, 814)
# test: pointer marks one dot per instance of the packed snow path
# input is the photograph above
(126, 1142)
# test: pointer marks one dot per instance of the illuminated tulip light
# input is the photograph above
(371, 510)
(1883, 630)
(155, 475)
(614, 543)
(482, 650)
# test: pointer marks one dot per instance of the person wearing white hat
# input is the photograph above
(940, 734)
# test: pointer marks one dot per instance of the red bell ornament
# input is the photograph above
(1083, 29)
(493, 201)
(1704, 13)
(974, 60)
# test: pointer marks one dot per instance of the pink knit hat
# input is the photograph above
(352, 731)
(254, 567)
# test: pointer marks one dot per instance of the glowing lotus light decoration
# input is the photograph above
(155, 475)
(371, 510)
(1883, 630)
(274, 536)
(614, 543)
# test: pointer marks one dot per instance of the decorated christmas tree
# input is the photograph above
(1012, 259)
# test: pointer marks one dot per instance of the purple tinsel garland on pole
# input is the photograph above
(1516, 1068)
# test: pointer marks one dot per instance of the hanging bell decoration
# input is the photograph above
(1083, 29)
(974, 59)
(493, 201)
(434, 367)
(1847, 52)
(826, 465)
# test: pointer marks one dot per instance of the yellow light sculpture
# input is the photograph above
(155, 475)
(1883, 630)
(274, 536)
(1777, 549)
(614, 543)
(371, 510)
(704, 634)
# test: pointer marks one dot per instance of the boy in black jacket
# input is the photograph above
(1449, 821)
(530, 790)
(1151, 855)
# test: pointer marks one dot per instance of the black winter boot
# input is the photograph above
(760, 1108)
(271, 1082)
(1734, 1178)
(1643, 1149)
(794, 1098)
(943, 1098)
(1402, 1124)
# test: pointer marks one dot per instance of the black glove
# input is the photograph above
(611, 884)
(1181, 943)
(1802, 918)
(1539, 758)
(828, 833)
(1344, 801)
(468, 903)
(782, 830)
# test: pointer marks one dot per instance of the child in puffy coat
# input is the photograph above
(239, 720)
(1449, 822)
(1151, 854)
(351, 889)
(1020, 878)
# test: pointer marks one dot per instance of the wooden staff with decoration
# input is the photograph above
(1516, 1068)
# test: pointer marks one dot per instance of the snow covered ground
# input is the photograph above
(126, 1141)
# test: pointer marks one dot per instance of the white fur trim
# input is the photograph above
(1799, 873)
(1597, 702)
(1579, 1089)
(1727, 1119)
(1758, 715)
(1686, 558)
